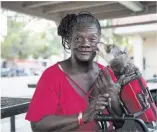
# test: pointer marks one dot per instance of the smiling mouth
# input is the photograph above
(85, 51)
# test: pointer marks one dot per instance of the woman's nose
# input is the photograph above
(86, 43)
(85, 46)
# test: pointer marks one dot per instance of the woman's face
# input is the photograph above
(84, 37)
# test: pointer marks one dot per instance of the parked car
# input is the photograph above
(7, 72)
(152, 85)
(12, 72)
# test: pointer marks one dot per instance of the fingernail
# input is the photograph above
(109, 101)
(106, 94)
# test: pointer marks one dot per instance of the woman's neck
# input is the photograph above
(80, 67)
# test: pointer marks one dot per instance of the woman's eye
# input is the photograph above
(93, 39)
(78, 39)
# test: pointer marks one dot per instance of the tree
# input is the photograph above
(13, 43)
(22, 42)
(108, 35)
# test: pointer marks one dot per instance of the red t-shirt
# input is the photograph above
(54, 94)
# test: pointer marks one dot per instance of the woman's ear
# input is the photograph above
(69, 45)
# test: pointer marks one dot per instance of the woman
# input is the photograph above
(61, 100)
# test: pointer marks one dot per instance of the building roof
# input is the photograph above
(56, 10)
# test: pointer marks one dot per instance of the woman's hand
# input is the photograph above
(95, 106)
(105, 85)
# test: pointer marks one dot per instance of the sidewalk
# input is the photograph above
(22, 125)
(17, 87)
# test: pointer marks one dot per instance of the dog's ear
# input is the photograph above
(108, 48)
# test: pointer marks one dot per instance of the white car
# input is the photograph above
(152, 85)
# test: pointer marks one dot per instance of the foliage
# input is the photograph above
(21, 42)
(108, 35)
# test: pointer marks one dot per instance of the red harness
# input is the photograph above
(136, 99)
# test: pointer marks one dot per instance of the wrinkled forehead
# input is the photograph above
(85, 28)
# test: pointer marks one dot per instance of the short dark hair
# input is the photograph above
(65, 28)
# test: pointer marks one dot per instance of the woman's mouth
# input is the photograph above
(85, 50)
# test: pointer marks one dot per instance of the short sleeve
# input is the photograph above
(45, 99)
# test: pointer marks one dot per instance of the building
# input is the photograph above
(143, 32)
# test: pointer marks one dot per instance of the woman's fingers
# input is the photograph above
(103, 81)
(100, 81)
(106, 95)
(102, 101)
(103, 97)
(100, 107)
(107, 74)
(99, 85)
(106, 79)
(98, 104)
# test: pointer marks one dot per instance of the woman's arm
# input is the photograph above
(56, 123)
(69, 123)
